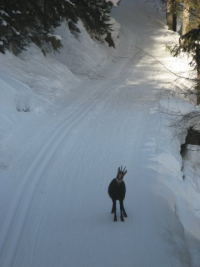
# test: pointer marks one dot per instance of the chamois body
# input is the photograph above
(117, 191)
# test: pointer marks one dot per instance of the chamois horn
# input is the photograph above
(122, 170)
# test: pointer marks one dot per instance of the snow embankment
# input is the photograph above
(15, 97)
(54, 75)
(32, 82)
(180, 176)
(81, 54)
(16, 101)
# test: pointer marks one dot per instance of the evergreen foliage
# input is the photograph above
(190, 44)
(95, 15)
(26, 21)
(195, 14)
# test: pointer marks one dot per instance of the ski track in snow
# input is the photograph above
(19, 209)
(60, 213)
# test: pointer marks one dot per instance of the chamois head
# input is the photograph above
(120, 174)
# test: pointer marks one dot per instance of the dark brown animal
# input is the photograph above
(117, 191)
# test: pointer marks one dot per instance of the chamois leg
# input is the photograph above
(123, 209)
(113, 206)
(114, 209)
(125, 215)
(115, 217)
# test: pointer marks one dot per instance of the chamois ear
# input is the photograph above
(118, 170)
(125, 172)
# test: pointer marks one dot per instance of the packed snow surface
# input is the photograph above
(67, 122)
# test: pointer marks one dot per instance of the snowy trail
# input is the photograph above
(59, 214)
(19, 209)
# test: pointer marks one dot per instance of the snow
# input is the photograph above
(114, 2)
(3, 23)
(68, 121)
(180, 176)
(2, 12)
(176, 106)
(57, 37)
(16, 32)
(69, 2)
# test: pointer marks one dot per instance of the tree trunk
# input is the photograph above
(174, 22)
(198, 72)
(171, 15)
(186, 17)
(198, 85)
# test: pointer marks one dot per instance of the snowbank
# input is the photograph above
(15, 96)
(17, 100)
(182, 178)
(80, 54)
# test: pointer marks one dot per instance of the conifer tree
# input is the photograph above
(25, 21)
(190, 44)
(194, 14)
(95, 16)
(171, 16)
(186, 17)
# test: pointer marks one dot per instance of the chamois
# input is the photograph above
(117, 191)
